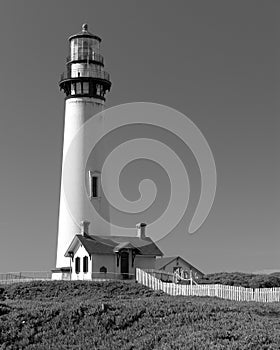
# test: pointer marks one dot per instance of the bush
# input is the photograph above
(65, 290)
(242, 279)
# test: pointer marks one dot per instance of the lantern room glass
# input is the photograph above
(84, 48)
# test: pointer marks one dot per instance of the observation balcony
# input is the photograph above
(85, 73)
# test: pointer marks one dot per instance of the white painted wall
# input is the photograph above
(77, 112)
(77, 207)
(81, 253)
(57, 276)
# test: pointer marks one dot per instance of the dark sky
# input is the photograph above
(218, 62)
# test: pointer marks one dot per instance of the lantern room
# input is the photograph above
(84, 46)
(85, 75)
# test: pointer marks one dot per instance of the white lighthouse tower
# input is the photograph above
(85, 84)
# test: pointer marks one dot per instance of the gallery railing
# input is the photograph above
(85, 72)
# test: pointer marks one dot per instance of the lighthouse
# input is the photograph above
(85, 84)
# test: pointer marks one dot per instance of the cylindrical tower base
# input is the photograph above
(77, 112)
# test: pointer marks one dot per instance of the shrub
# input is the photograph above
(241, 279)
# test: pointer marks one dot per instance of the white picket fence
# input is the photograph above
(212, 290)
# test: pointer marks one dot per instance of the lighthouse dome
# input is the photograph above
(85, 34)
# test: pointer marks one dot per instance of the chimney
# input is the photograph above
(141, 228)
(84, 227)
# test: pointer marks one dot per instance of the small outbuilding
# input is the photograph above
(176, 263)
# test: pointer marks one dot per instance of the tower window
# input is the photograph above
(85, 88)
(78, 87)
(73, 89)
(85, 264)
(94, 180)
(94, 184)
(77, 265)
(98, 89)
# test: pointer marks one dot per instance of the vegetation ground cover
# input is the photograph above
(126, 315)
(247, 280)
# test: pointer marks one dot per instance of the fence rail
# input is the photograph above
(13, 277)
(103, 276)
(164, 276)
(217, 290)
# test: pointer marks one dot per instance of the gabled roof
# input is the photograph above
(124, 245)
(111, 244)
(163, 262)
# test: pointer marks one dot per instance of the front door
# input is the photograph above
(125, 265)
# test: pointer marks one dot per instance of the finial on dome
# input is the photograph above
(85, 27)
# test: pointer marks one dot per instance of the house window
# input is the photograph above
(85, 264)
(77, 265)
(103, 269)
(94, 184)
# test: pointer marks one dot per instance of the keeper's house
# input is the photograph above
(102, 257)
(172, 263)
